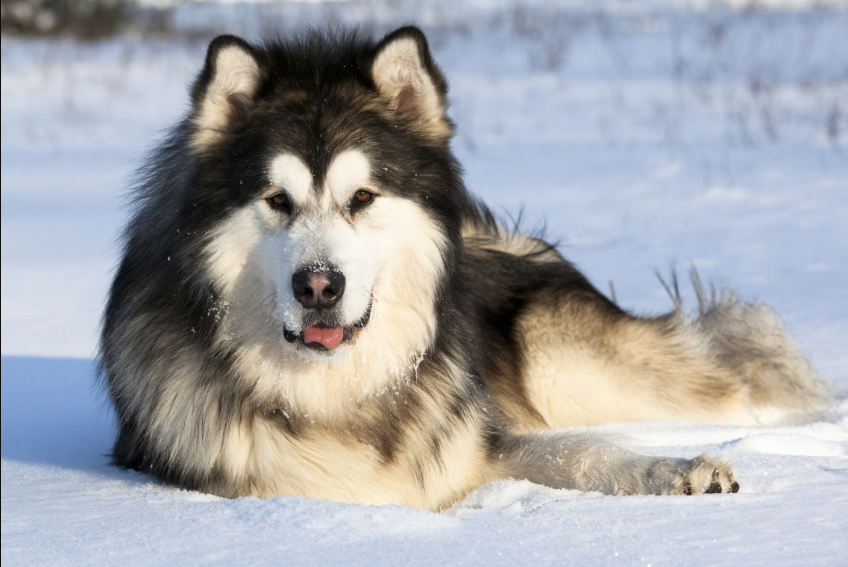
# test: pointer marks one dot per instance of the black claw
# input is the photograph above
(715, 488)
(734, 487)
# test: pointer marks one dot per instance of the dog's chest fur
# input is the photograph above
(412, 445)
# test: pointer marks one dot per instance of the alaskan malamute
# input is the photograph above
(310, 302)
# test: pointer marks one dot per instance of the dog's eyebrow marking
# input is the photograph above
(348, 171)
(287, 171)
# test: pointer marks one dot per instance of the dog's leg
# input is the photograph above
(583, 462)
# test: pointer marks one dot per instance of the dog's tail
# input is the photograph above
(749, 341)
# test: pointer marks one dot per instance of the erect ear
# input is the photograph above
(224, 91)
(407, 77)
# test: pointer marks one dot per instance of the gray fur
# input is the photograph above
(585, 462)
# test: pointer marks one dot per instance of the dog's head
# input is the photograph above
(326, 168)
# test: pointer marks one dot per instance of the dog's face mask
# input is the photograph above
(341, 199)
(323, 260)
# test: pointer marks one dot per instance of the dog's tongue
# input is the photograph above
(329, 337)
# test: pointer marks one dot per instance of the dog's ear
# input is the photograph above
(224, 92)
(405, 74)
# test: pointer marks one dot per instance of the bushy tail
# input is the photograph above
(749, 341)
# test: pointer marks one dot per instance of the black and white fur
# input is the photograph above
(463, 345)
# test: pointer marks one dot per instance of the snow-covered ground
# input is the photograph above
(646, 133)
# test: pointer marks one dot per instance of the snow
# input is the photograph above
(63, 505)
(645, 135)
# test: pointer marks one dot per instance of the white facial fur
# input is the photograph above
(389, 252)
(288, 172)
(324, 234)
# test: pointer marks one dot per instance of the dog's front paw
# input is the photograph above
(705, 475)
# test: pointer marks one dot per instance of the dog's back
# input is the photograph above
(558, 353)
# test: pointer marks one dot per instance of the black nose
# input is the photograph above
(318, 290)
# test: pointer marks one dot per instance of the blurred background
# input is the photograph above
(644, 133)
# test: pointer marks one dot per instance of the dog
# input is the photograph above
(310, 302)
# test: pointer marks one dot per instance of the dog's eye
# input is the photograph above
(280, 202)
(361, 198)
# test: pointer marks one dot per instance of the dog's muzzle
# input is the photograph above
(322, 336)
(319, 289)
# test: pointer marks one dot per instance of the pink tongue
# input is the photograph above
(330, 337)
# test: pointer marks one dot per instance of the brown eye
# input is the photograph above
(280, 202)
(360, 200)
(363, 197)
